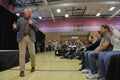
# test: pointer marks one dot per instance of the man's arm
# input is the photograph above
(33, 25)
(94, 45)
(103, 47)
(16, 26)
(116, 33)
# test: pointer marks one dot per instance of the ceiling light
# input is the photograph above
(18, 14)
(58, 10)
(112, 8)
(40, 17)
(66, 15)
(98, 14)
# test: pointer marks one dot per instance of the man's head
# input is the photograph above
(104, 29)
(27, 12)
(99, 34)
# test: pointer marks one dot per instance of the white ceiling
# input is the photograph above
(42, 7)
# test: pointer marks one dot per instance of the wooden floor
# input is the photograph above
(48, 67)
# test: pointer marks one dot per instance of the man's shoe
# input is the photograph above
(80, 69)
(80, 63)
(92, 76)
(102, 78)
(32, 69)
(85, 71)
(22, 74)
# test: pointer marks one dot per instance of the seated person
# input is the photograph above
(79, 46)
(86, 43)
(64, 46)
(90, 48)
(104, 57)
(71, 49)
(91, 56)
(62, 51)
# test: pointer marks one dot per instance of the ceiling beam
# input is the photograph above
(71, 4)
(52, 14)
(44, 7)
(60, 5)
(117, 12)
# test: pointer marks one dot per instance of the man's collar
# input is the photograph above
(26, 18)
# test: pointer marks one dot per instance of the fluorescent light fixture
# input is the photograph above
(66, 15)
(58, 10)
(98, 14)
(40, 17)
(18, 14)
(112, 8)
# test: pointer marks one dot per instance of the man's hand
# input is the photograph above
(30, 22)
(14, 25)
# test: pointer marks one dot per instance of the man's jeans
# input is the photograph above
(75, 54)
(92, 56)
(104, 60)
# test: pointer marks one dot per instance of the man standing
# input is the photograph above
(26, 28)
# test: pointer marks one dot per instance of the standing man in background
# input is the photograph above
(26, 28)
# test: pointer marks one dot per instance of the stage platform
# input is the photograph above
(10, 59)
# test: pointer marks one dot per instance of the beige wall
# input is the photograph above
(82, 38)
(57, 36)
(52, 36)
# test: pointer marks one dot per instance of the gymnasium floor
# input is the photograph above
(48, 67)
